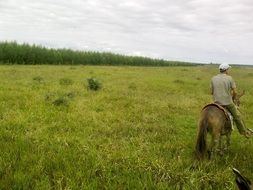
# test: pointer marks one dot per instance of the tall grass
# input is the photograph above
(13, 53)
(137, 132)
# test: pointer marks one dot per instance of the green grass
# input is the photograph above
(137, 132)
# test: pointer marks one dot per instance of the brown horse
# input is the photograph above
(215, 121)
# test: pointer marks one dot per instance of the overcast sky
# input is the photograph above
(187, 30)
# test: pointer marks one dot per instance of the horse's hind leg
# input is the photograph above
(228, 136)
(223, 145)
(215, 143)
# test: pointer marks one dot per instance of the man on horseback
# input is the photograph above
(223, 89)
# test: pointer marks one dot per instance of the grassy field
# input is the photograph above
(137, 132)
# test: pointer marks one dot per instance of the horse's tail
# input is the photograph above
(201, 144)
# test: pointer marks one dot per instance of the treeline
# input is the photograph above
(14, 53)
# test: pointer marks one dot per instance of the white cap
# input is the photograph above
(224, 66)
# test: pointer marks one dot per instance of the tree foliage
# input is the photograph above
(14, 53)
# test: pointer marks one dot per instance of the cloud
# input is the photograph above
(189, 30)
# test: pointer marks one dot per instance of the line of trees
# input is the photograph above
(14, 53)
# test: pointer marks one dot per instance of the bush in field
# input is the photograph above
(178, 81)
(94, 84)
(70, 95)
(39, 79)
(61, 101)
(132, 86)
(65, 81)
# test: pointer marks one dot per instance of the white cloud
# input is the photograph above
(189, 30)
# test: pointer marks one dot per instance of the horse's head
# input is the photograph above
(242, 182)
(236, 99)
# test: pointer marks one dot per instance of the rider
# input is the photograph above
(223, 89)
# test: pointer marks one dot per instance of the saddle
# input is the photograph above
(228, 115)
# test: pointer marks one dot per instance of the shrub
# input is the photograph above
(178, 81)
(132, 86)
(65, 81)
(70, 95)
(60, 101)
(94, 84)
(38, 79)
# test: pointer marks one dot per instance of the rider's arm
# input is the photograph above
(233, 93)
